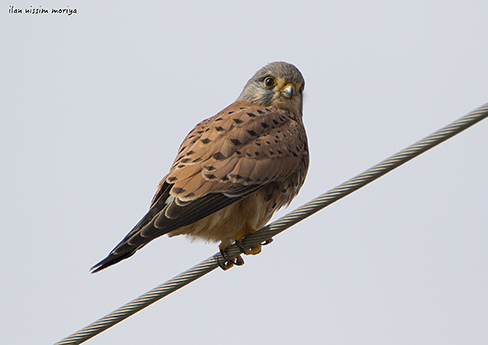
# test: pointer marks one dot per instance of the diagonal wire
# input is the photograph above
(277, 226)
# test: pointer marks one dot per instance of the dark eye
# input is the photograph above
(269, 82)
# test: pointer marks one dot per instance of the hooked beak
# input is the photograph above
(288, 91)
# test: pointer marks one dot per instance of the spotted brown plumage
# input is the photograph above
(233, 170)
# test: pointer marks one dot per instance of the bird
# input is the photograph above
(233, 171)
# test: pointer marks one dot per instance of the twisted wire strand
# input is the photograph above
(141, 302)
(277, 226)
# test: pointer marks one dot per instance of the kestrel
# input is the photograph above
(233, 171)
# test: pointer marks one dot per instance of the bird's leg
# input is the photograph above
(229, 262)
(248, 251)
(238, 261)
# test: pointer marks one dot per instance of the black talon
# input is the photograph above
(239, 261)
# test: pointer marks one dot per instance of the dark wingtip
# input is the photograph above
(98, 267)
(109, 261)
(101, 265)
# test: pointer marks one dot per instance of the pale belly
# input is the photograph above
(241, 218)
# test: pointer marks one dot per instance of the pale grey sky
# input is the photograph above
(94, 106)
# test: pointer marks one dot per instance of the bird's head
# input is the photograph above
(278, 84)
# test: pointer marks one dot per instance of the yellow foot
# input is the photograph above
(241, 236)
(252, 251)
(255, 250)
(226, 265)
(238, 261)
(248, 251)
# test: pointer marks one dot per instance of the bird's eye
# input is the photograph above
(269, 82)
